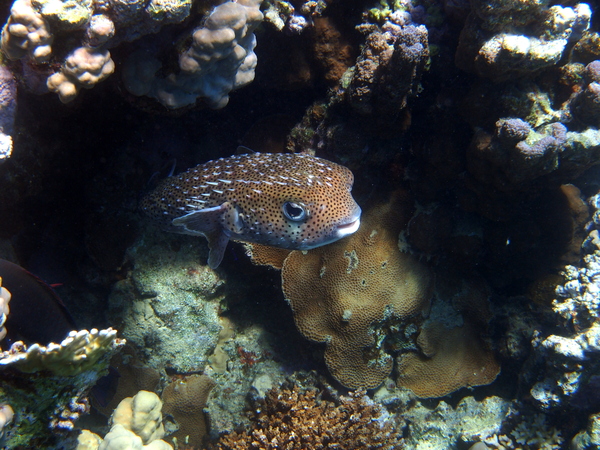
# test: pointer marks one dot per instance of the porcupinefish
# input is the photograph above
(293, 201)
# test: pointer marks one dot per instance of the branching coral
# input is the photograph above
(295, 420)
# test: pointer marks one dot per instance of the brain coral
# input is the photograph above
(349, 293)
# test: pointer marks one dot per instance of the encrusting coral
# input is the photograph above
(184, 400)
(295, 420)
(453, 358)
(350, 293)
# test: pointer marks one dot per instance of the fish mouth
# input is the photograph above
(348, 228)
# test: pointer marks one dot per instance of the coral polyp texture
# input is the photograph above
(294, 420)
(78, 352)
(489, 47)
(136, 424)
(184, 401)
(43, 389)
(219, 59)
(349, 294)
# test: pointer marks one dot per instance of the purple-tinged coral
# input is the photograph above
(8, 108)
(515, 154)
(220, 59)
(585, 106)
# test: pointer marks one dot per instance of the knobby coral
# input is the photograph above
(290, 419)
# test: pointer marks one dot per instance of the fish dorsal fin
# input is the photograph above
(207, 222)
(243, 150)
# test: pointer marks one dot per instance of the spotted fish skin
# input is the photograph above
(293, 201)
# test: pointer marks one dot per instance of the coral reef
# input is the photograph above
(79, 352)
(8, 106)
(168, 307)
(371, 96)
(569, 366)
(292, 419)
(349, 294)
(135, 424)
(220, 57)
(499, 53)
(486, 112)
(219, 60)
(184, 400)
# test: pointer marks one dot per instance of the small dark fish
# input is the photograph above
(37, 314)
(293, 201)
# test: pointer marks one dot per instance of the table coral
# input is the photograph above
(349, 293)
(46, 386)
(80, 351)
(297, 420)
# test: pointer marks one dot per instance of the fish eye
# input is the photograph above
(296, 212)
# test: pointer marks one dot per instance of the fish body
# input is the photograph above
(37, 314)
(293, 201)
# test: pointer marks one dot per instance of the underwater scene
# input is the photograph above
(298, 225)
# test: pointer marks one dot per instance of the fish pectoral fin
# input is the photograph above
(217, 243)
(207, 222)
